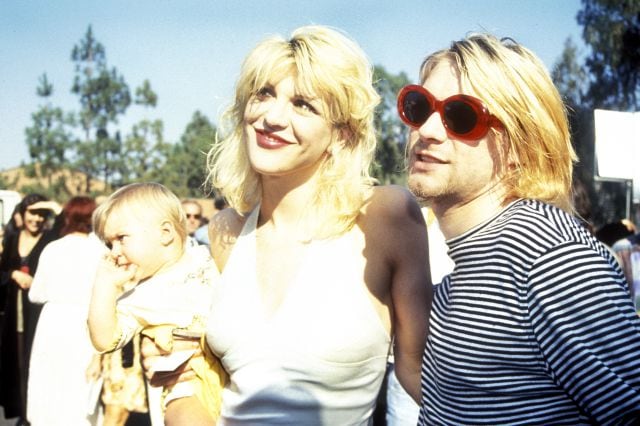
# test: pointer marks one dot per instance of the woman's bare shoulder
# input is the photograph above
(224, 229)
(393, 203)
(227, 222)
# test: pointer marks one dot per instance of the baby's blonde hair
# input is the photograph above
(142, 200)
(516, 87)
(325, 64)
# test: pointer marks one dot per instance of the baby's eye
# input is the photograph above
(118, 238)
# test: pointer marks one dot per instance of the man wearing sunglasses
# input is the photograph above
(535, 324)
(193, 211)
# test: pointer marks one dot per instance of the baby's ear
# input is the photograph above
(167, 232)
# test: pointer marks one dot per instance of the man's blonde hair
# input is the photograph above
(143, 201)
(324, 64)
(516, 87)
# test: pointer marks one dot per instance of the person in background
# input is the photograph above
(582, 204)
(193, 211)
(19, 262)
(124, 393)
(535, 324)
(202, 234)
(15, 223)
(63, 363)
(319, 267)
(627, 251)
(13, 226)
(611, 232)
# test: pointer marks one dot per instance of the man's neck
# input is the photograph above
(458, 217)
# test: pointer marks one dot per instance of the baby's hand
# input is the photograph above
(111, 273)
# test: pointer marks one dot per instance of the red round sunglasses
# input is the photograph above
(464, 116)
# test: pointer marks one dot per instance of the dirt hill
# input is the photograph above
(75, 182)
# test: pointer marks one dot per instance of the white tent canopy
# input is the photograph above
(617, 147)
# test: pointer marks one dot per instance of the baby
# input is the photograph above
(151, 282)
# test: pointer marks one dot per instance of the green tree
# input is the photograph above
(109, 156)
(145, 95)
(572, 80)
(49, 137)
(609, 78)
(389, 164)
(145, 151)
(103, 96)
(185, 170)
(569, 76)
(5, 182)
(612, 31)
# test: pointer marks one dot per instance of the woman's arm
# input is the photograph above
(151, 352)
(187, 411)
(7, 259)
(406, 243)
(51, 205)
(46, 270)
(224, 229)
(10, 262)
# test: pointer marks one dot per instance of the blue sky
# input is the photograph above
(191, 50)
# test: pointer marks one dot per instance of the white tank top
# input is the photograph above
(320, 359)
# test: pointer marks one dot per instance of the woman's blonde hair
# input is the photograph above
(516, 87)
(325, 64)
(143, 201)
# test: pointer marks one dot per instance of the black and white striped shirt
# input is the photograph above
(535, 325)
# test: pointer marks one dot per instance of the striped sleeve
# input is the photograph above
(582, 319)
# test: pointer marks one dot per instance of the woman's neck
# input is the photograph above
(27, 242)
(31, 234)
(284, 204)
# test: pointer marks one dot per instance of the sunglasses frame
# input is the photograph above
(485, 119)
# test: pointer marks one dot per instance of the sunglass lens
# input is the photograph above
(416, 108)
(461, 118)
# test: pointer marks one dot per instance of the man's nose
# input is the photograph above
(433, 128)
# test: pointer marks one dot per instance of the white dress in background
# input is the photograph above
(58, 391)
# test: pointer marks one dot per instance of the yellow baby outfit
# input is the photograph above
(179, 297)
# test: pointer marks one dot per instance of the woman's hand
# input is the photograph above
(50, 205)
(150, 353)
(23, 279)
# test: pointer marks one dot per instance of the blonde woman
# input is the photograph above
(320, 268)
